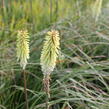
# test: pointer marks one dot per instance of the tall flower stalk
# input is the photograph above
(51, 10)
(23, 55)
(96, 8)
(48, 58)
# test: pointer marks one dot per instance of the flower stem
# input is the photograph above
(25, 89)
(46, 82)
(51, 11)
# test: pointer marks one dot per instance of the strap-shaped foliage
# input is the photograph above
(23, 47)
(50, 51)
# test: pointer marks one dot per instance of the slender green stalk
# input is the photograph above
(25, 89)
(51, 10)
(56, 10)
(30, 1)
(96, 9)
(3, 4)
(46, 82)
(4, 9)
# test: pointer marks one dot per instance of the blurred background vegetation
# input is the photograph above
(81, 78)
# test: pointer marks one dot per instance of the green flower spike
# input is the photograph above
(50, 51)
(23, 47)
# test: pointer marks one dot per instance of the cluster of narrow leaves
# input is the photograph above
(23, 47)
(50, 51)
